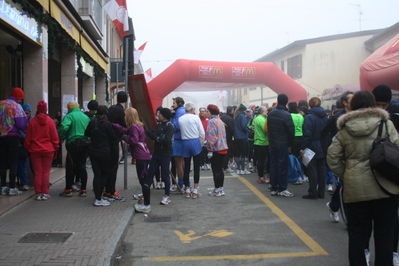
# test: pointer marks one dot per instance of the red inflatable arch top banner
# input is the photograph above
(235, 73)
(194, 75)
(381, 67)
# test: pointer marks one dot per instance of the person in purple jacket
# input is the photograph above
(135, 136)
(13, 121)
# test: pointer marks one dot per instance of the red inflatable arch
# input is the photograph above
(381, 67)
(195, 75)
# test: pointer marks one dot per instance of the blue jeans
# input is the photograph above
(329, 177)
(279, 163)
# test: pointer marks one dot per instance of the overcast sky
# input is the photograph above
(243, 31)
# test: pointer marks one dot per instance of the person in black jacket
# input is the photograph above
(163, 150)
(316, 169)
(116, 114)
(101, 134)
(228, 121)
(281, 132)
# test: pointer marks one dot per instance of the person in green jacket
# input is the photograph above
(72, 130)
(261, 145)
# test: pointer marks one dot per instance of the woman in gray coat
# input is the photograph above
(368, 207)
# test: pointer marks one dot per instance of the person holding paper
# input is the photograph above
(316, 169)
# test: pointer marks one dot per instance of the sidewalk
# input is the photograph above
(75, 232)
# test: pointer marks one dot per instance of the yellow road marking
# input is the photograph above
(317, 250)
(290, 223)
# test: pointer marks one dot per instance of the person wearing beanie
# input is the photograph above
(72, 129)
(92, 106)
(316, 169)
(42, 144)
(18, 94)
(178, 110)
(281, 134)
(193, 136)
(162, 155)
(116, 115)
(241, 139)
(13, 126)
(216, 143)
(383, 96)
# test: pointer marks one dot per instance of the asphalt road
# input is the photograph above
(246, 226)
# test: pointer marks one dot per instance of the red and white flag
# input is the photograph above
(117, 11)
(138, 52)
(148, 75)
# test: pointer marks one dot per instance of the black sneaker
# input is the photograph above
(66, 193)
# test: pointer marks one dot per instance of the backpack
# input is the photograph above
(384, 157)
(294, 169)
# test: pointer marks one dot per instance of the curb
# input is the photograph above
(113, 244)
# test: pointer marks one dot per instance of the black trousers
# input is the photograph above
(114, 164)
(363, 217)
(76, 164)
(9, 151)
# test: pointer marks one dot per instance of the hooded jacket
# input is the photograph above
(41, 135)
(13, 120)
(312, 126)
(348, 155)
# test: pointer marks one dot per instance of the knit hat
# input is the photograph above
(121, 97)
(92, 105)
(159, 108)
(282, 99)
(213, 109)
(165, 112)
(72, 105)
(382, 93)
(242, 107)
(27, 107)
(18, 93)
(42, 107)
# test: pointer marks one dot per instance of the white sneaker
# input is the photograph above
(305, 179)
(208, 167)
(158, 186)
(333, 215)
(395, 259)
(202, 167)
(162, 185)
(165, 200)
(239, 172)
(330, 188)
(285, 193)
(4, 190)
(101, 203)
(14, 192)
(245, 172)
(142, 208)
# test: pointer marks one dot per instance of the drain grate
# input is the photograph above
(45, 238)
(158, 219)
